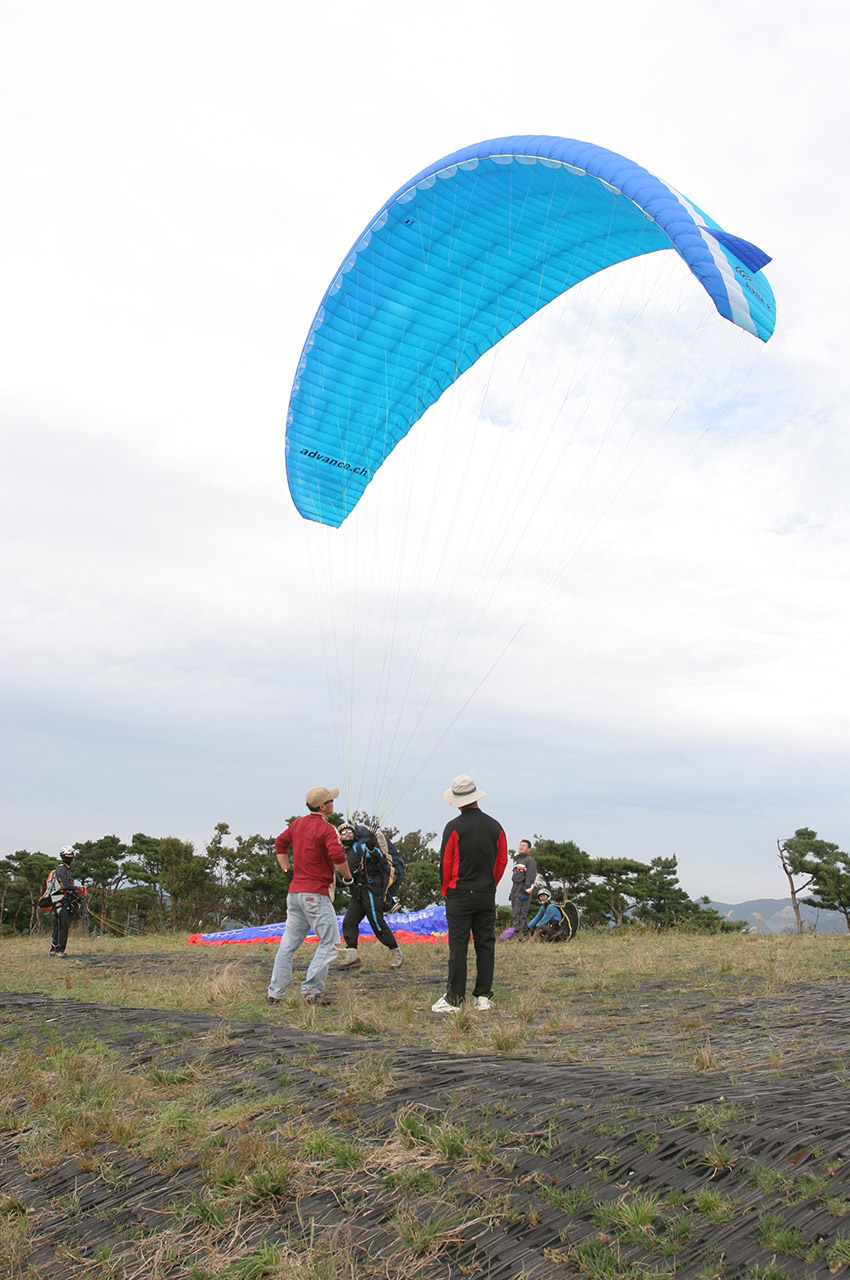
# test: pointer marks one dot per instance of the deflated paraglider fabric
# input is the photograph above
(458, 258)
(428, 925)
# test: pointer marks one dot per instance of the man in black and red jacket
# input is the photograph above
(473, 857)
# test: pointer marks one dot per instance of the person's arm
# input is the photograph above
(66, 880)
(530, 874)
(501, 856)
(333, 844)
(282, 846)
(449, 859)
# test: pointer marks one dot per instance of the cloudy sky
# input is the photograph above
(182, 180)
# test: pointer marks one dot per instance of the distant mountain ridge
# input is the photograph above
(776, 915)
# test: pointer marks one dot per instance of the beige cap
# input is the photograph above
(317, 796)
(462, 792)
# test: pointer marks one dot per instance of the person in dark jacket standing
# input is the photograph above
(473, 857)
(522, 886)
(63, 891)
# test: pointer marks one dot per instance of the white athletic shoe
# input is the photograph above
(482, 1003)
(396, 959)
(348, 959)
(443, 1006)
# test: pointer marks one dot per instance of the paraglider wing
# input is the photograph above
(458, 258)
(427, 925)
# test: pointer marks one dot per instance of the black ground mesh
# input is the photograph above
(569, 1139)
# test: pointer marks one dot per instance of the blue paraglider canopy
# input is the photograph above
(457, 259)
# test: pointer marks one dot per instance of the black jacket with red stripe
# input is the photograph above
(474, 852)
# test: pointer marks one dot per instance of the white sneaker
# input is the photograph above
(396, 959)
(482, 1003)
(347, 959)
(443, 1006)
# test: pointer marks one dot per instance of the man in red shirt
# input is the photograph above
(316, 856)
(473, 858)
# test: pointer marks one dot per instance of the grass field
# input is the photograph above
(635, 1106)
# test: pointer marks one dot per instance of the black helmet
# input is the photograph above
(68, 853)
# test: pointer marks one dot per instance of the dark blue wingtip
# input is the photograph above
(749, 254)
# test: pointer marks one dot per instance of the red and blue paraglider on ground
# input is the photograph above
(409, 927)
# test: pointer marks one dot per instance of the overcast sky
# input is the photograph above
(181, 182)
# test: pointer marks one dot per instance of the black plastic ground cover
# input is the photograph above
(571, 1140)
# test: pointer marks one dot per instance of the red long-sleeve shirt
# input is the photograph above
(316, 851)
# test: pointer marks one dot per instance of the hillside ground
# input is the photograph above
(634, 1106)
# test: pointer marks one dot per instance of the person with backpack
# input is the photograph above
(63, 895)
(549, 925)
(374, 862)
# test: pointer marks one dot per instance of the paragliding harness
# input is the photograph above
(569, 923)
(378, 863)
(55, 896)
(393, 869)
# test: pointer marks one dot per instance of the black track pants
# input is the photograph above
(364, 902)
(61, 924)
(471, 912)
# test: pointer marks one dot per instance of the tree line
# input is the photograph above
(162, 882)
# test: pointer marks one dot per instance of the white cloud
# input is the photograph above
(185, 180)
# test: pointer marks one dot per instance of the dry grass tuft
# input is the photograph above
(232, 983)
(14, 1236)
(705, 1059)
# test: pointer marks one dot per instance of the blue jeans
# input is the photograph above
(305, 912)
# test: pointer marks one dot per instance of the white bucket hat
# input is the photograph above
(462, 792)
